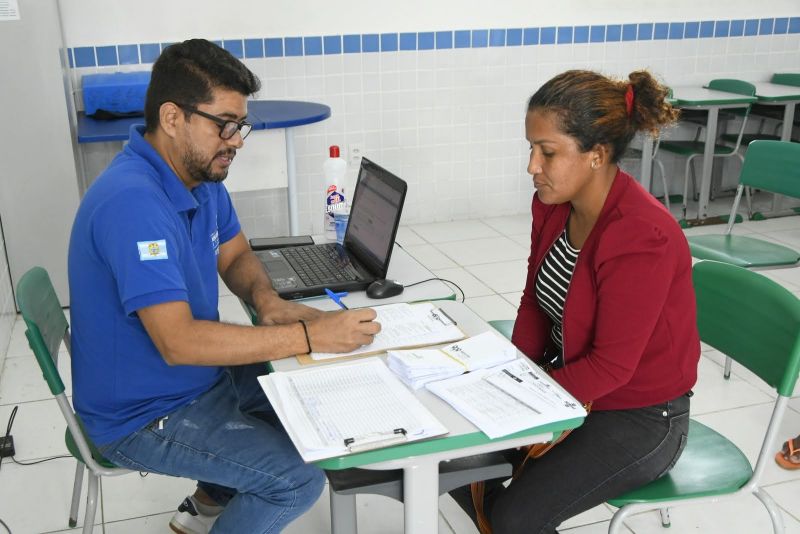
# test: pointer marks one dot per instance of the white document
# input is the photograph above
(482, 351)
(417, 367)
(336, 410)
(496, 407)
(405, 325)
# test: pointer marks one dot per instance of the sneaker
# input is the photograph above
(188, 520)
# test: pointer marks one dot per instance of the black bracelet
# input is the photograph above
(305, 330)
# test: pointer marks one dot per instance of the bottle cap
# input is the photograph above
(334, 151)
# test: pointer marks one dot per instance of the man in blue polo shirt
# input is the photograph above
(160, 384)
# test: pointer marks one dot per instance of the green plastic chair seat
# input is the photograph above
(689, 148)
(741, 250)
(710, 465)
(73, 449)
(504, 326)
(749, 138)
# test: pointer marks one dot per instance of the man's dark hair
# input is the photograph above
(187, 73)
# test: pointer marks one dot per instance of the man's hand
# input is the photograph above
(283, 312)
(343, 331)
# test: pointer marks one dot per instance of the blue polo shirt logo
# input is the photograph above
(215, 242)
(152, 250)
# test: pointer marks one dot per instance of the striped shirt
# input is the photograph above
(553, 281)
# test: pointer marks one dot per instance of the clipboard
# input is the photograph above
(429, 324)
(323, 411)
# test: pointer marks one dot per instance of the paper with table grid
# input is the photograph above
(339, 409)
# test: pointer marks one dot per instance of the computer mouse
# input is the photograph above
(383, 289)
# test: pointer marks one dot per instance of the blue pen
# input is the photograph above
(336, 297)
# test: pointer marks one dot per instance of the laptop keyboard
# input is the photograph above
(320, 264)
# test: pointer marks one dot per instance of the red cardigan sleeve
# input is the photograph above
(532, 327)
(633, 270)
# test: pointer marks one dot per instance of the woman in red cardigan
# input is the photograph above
(608, 308)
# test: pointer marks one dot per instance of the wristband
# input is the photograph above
(305, 331)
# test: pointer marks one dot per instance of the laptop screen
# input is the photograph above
(375, 216)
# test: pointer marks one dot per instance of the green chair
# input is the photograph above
(504, 326)
(756, 322)
(694, 148)
(46, 328)
(770, 166)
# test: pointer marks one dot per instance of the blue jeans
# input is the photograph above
(229, 440)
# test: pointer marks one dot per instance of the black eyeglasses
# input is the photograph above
(227, 128)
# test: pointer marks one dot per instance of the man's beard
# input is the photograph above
(202, 172)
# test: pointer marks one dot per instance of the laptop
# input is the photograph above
(362, 258)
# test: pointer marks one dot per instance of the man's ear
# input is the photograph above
(170, 116)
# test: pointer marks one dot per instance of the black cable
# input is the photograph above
(11, 420)
(5, 526)
(40, 461)
(463, 295)
(8, 433)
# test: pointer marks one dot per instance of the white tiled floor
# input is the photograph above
(35, 499)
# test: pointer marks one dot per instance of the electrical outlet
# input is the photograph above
(6, 446)
(356, 150)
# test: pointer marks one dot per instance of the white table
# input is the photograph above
(420, 460)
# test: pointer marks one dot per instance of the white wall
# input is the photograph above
(447, 121)
(94, 22)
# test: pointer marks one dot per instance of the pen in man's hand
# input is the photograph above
(336, 297)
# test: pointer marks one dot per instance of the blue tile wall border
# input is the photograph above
(530, 36)
(278, 47)
(253, 48)
(128, 54)
(444, 40)
(149, 52)
(462, 38)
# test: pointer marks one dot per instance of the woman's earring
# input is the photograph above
(594, 164)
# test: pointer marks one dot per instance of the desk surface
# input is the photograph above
(262, 114)
(462, 433)
(775, 92)
(694, 96)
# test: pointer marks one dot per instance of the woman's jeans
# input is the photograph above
(230, 441)
(613, 452)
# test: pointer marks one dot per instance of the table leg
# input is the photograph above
(421, 496)
(708, 162)
(291, 179)
(788, 121)
(646, 173)
(786, 135)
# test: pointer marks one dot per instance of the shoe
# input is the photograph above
(187, 520)
(789, 455)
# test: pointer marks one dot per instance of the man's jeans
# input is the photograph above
(230, 441)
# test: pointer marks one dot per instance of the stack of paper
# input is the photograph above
(336, 410)
(508, 398)
(420, 366)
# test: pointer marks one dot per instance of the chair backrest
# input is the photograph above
(750, 318)
(740, 87)
(786, 78)
(772, 166)
(46, 327)
(46, 324)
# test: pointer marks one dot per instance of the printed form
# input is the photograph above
(335, 410)
(508, 398)
(405, 325)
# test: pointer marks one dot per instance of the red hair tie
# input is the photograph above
(629, 100)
